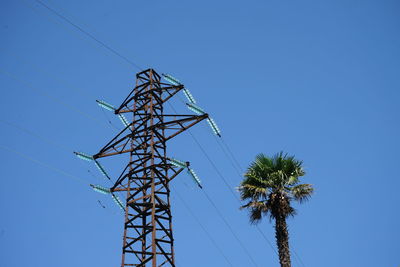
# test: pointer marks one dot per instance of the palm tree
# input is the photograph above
(269, 186)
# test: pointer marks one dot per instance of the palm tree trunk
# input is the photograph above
(282, 241)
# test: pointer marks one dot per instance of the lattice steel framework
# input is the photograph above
(148, 237)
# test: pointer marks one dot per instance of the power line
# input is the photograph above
(213, 165)
(232, 155)
(238, 171)
(43, 139)
(109, 121)
(40, 69)
(45, 94)
(46, 140)
(229, 227)
(44, 164)
(202, 227)
(57, 99)
(79, 28)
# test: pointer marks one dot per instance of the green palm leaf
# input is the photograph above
(268, 177)
(269, 186)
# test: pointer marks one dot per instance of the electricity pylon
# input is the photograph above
(148, 236)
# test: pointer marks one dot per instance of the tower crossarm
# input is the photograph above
(120, 143)
(129, 171)
(141, 94)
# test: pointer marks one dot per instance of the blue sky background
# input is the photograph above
(318, 79)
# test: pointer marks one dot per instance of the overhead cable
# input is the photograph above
(79, 28)
(191, 213)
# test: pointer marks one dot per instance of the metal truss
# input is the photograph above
(148, 237)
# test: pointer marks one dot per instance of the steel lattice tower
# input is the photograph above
(148, 236)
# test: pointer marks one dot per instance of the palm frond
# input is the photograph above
(293, 179)
(255, 216)
(302, 192)
(291, 212)
(251, 191)
(270, 183)
(256, 209)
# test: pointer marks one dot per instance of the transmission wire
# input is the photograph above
(48, 141)
(109, 121)
(46, 165)
(45, 94)
(70, 85)
(79, 28)
(202, 227)
(229, 227)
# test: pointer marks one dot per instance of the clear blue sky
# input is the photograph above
(318, 79)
